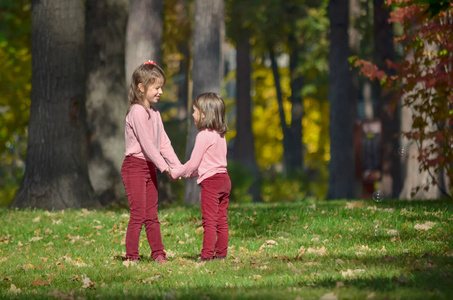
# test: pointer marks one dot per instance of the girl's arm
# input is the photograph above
(142, 129)
(166, 149)
(202, 143)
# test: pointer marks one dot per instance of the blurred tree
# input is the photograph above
(15, 86)
(208, 36)
(342, 107)
(244, 142)
(56, 174)
(143, 34)
(423, 83)
(105, 33)
(387, 111)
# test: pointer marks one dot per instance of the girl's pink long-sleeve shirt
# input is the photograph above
(146, 138)
(208, 157)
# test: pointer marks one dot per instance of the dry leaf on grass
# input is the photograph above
(356, 204)
(329, 296)
(40, 282)
(349, 274)
(428, 225)
(13, 289)
(87, 283)
(269, 244)
(151, 279)
(401, 279)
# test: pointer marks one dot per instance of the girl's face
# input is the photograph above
(153, 93)
(197, 115)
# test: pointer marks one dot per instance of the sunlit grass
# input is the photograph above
(353, 250)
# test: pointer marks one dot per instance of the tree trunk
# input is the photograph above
(297, 110)
(106, 96)
(143, 34)
(244, 143)
(207, 61)
(56, 174)
(281, 111)
(387, 111)
(414, 178)
(342, 106)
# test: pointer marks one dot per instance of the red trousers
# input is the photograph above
(215, 191)
(140, 181)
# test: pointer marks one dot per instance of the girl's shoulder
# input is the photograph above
(210, 133)
(138, 109)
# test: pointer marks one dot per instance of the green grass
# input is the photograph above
(53, 254)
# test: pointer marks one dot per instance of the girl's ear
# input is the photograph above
(141, 87)
(203, 115)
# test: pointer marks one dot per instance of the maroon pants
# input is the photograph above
(140, 181)
(215, 191)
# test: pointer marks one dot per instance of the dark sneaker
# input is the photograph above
(220, 257)
(160, 260)
(205, 259)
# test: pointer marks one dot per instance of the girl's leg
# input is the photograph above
(152, 224)
(209, 212)
(134, 175)
(221, 246)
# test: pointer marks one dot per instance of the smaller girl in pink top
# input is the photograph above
(147, 147)
(208, 161)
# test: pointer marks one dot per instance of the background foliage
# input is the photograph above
(15, 87)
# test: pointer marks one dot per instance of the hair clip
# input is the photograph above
(150, 62)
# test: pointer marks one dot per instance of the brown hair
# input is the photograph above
(213, 107)
(146, 74)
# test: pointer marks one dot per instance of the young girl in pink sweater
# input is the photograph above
(147, 147)
(208, 161)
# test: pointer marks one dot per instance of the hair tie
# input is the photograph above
(150, 62)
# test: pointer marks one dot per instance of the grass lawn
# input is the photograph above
(326, 250)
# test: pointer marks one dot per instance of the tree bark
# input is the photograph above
(56, 175)
(342, 106)
(207, 61)
(244, 143)
(143, 34)
(106, 96)
(281, 111)
(297, 110)
(387, 110)
(414, 178)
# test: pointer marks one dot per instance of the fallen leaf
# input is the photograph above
(401, 279)
(352, 205)
(151, 279)
(13, 289)
(40, 282)
(319, 251)
(35, 239)
(329, 296)
(269, 244)
(349, 274)
(87, 283)
(37, 219)
(428, 225)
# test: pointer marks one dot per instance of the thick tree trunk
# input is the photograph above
(390, 185)
(414, 178)
(342, 105)
(143, 34)
(244, 143)
(207, 61)
(106, 95)
(56, 175)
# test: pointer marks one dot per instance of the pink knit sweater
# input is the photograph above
(146, 138)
